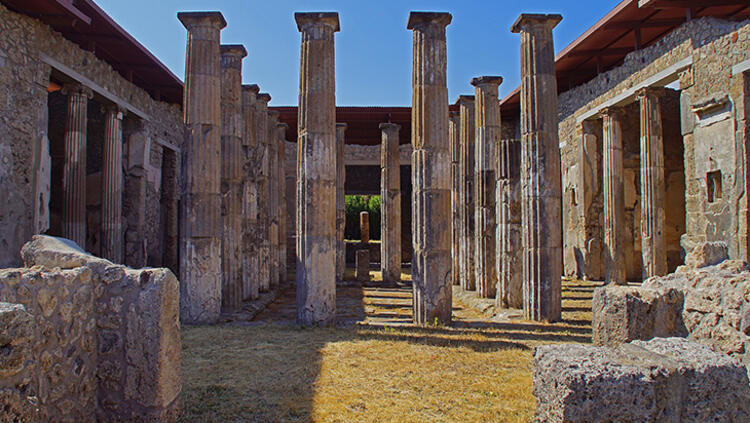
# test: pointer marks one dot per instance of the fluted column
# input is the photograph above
(273, 199)
(231, 174)
(340, 200)
(614, 198)
(251, 228)
(540, 163)
(264, 191)
(112, 186)
(281, 178)
(431, 276)
(653, 242)
(74, 176)
(453, 138)
(200, 267)
(316, 164)
(488, 132)
(390, 203)
(510, 267)
(466, 141)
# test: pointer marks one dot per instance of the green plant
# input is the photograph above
(355, 204)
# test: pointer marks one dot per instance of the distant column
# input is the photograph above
(466, 141)
(510, 266)
(432, 301)
(390, 203)
(653, 242)
(283, 212)
(200, 269)
(231, 174)
(316, 167)
(264, 191)
(251, 228)
(614, 198)
(453, 138)
(488, 133)
(340, 200)
(74, 176)
(274, 186)
(540, 164)
(364, 227)
(112, 185)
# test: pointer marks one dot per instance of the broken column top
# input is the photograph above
(264, 97)
(389, 127)
(462, 99)
(531, 19)
(193, 19)
(253, 88)
(237, 50)
(417, 19)
(481, 80)
(305, 19)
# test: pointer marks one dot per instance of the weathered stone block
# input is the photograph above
(662, 380)
(363, 265)
(16, 337)
(707, 254)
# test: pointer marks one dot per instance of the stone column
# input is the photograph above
(488, 132)
(340, 201)
(281, 178)
(264, 191)
(453, 140)
(466, 141)
(251, 228)
(74, 176)
(614, 198)
(510, 268)
(540, 175)
(200, 238)
(653, 242)
(316, 167)
(364, 227)
(273, 196)
(112, 186)
(231, 174)
(430, 171)
(390, 203)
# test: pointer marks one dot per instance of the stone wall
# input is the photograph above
(31, 56)
(18, 399)
(698, 128)
(106, 342)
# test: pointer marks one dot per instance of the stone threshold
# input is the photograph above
(484, 306)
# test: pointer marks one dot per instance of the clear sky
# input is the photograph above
(373, 49)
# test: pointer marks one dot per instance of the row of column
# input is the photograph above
(233, 210)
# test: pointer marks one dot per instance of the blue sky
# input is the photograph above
(373, 49)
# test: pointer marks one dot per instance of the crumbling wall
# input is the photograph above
(18, 398)
(26, 48)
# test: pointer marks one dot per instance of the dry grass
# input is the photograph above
(477, 371)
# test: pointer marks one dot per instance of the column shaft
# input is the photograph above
(316, 167)
(112, 186)
(453, 139)
(431, 277)
(540, 174)
(390, 203)
(74, 177)
(251, 228)
(200, 241)
(652, 185)
(273, 196)
(467, 133)
(263, 192)
(340, 200)
(614, 199)
(488, 132)
(510, 266)
(282, 207)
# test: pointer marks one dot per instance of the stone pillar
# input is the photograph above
(488, 133)
(316, 171)
(430, 171)
(540, 169)
(466, 141)
(283, 212)
(362, 265)
(251, 228)
(273, 196)
(390, 203)
(340, 201)
(653, 242)
(232, 131)
(453, 140)
(510, 268)
(200, 238)
(264, 191)
(74, 176)
(614, 198)
(112, 186)
(364, 227)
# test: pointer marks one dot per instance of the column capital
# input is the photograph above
(264, 97)
(274, 114)
(651, 91)
(464, 100)
(527, 21)
(611, 111)
(454, 115)
(389, 127)
(282, 125)
(196, 19)
(115, 109)
(487, 80)
(75, 88)
(251, 88)
(307, 20)
(232, 55)
(421, 19)
(341, 126)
